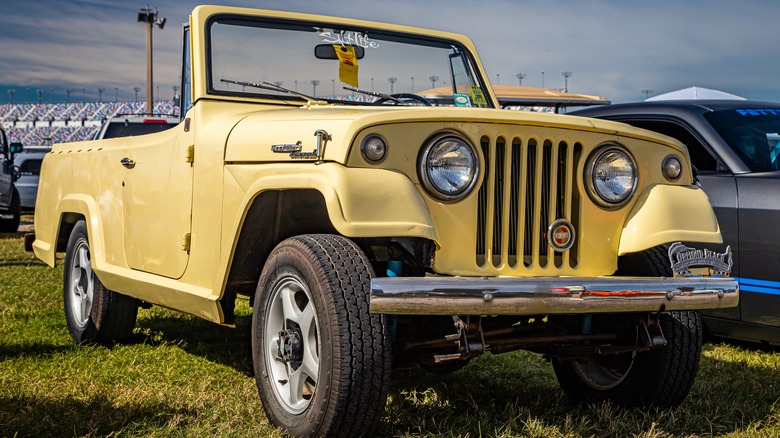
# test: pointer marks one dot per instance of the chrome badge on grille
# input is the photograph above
(561, 235)
(684, 258)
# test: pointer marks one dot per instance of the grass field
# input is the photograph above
(181, 376)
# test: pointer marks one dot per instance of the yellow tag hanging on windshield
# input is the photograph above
(348, 64)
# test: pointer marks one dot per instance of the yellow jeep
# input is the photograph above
(373, 230)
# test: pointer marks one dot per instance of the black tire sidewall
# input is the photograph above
(289, 262)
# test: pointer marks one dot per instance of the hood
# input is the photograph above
(255, 136)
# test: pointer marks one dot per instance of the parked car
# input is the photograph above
(123, 125)
(10, 204)
(372, 230)
(734, 146)
(29, 165)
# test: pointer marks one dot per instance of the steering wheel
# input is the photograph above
(405, 97)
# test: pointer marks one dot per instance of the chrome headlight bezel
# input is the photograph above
(433, 152)
(598, 189)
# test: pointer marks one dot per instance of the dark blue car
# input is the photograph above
(735, 148)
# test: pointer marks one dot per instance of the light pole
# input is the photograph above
(314, 84)
(412, 84)
(520, 77)
(498, 78)
(40, 91)
(433, 79)
(136, 90)
(68, 91)
(116, 94)
(11, 92)
(100, 94)
(146, 15)
(175, 89)
(566, 75)
(392, 82)
(542, 79)
(647, 93)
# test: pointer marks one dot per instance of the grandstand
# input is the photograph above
(43, 124)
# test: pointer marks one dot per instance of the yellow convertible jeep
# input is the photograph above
(372, 230)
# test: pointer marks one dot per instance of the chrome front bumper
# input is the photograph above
(548, 295)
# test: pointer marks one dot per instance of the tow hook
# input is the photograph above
(470, 339)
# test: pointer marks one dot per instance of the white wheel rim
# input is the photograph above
(294, 383)
(82, 285)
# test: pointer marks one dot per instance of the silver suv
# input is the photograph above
(10, 203)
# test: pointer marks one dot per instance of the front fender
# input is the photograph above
(665, 214)
(360, 202)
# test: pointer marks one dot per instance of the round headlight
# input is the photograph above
(612, 176)
(374, 148)
(448, 167)
(672, 168)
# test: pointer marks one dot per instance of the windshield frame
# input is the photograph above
(472, 63)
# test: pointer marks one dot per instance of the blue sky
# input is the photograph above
(613, 48)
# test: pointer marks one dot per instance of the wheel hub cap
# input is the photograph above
(291, 347)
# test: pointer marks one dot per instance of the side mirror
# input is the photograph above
(16, 147)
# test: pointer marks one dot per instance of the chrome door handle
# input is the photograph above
(127, 162)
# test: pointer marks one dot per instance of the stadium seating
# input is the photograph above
(43, 124)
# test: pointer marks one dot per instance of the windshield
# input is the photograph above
(754, 133)
(293, 62)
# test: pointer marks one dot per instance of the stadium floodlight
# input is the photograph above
(149, 16)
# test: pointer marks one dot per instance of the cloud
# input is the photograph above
(614, 48)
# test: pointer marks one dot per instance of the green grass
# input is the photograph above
(185, 377)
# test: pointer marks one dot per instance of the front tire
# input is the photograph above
(322, 361)
(661, 377)
(92, 312)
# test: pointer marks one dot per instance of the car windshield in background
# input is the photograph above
(754, 133)
(293, 62)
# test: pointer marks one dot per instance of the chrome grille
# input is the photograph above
(527, 185)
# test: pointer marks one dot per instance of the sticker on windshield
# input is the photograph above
(477, 96)
(348, 38)
(348, 64)
(461, 99)
(758, 112)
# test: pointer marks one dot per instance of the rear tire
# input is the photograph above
(15, 209)
(92, 312)
(322, 361)
(661, 377)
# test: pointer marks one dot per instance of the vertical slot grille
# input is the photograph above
(527, 185)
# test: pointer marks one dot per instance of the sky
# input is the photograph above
(624, 50)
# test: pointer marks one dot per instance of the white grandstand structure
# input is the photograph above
(43, 124)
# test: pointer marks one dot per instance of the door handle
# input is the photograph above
(127, 162)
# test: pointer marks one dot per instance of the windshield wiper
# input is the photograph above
(269, 86)
(380, 95)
